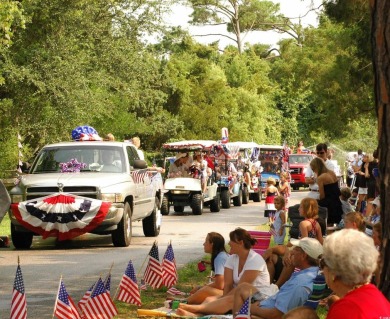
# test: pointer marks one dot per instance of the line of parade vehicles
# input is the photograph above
(217, 175)
(236, 173)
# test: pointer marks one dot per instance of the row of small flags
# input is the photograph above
(97, 301)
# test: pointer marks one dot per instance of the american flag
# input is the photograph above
(169, 268)
(245, 312)
(100, 305)
(176, 292)
(153, 272)
(65, 307)
(128, 288)
(85, 298)
(107, 283)
(18, 303)
(139, 176)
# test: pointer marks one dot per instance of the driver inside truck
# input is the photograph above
(108, 160)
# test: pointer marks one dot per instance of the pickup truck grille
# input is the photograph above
(85, 191)
(295, 170)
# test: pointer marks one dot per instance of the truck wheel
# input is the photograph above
(178, 209)
(197, 204)
(225, 198)
(121, 237)
(215, 204)
(257, 196)
(237, 200)
(295, 187)
(151, 224)
(21, 240)
(165, 206)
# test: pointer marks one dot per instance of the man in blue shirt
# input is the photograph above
(295, 292)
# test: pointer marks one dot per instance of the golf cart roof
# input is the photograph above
(190, 145)
(270, 147)
(244, 145)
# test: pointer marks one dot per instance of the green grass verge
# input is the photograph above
(189, 276)
(5, 229)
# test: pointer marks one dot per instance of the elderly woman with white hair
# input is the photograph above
(348, 262)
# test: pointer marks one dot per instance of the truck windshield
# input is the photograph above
(79, 158)
(299, 159)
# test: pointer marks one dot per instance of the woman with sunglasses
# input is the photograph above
(329, 191)
(348, 262)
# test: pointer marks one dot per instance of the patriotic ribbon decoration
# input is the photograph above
(61, 215)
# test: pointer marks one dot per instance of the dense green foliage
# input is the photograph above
(65, 64)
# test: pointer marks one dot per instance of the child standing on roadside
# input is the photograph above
(285, 189)
(277, 227)
(270, 192)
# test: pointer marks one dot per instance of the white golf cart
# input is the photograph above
(185, 189)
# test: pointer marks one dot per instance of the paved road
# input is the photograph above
(83, 260)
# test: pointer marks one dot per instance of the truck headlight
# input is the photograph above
(16, 198)
(113, 198)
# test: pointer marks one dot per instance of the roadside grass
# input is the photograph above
(189, 277)
(5, 228)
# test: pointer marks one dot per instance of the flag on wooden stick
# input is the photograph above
(99, 305)
(18, 302)
(153, 272)
(128, 287)
(169, 268)
(65, 307)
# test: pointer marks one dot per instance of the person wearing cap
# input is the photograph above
(294, 292)
(348, 262)
(311, 177)
(180, 167)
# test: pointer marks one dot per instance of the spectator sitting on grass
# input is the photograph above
(295, 292)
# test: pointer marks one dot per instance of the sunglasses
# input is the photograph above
(320, 153)
(322, 264)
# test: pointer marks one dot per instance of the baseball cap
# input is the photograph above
(376, 201)
(310, 246)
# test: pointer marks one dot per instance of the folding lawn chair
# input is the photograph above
(263, 240)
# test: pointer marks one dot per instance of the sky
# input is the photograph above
(290, 8)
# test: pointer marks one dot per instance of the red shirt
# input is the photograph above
(365, 302)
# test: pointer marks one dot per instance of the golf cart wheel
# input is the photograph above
(197, 204)
(215, 204)
(225, 198)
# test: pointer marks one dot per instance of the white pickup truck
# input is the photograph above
(110, 171)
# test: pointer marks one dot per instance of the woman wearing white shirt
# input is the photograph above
(243, 265)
